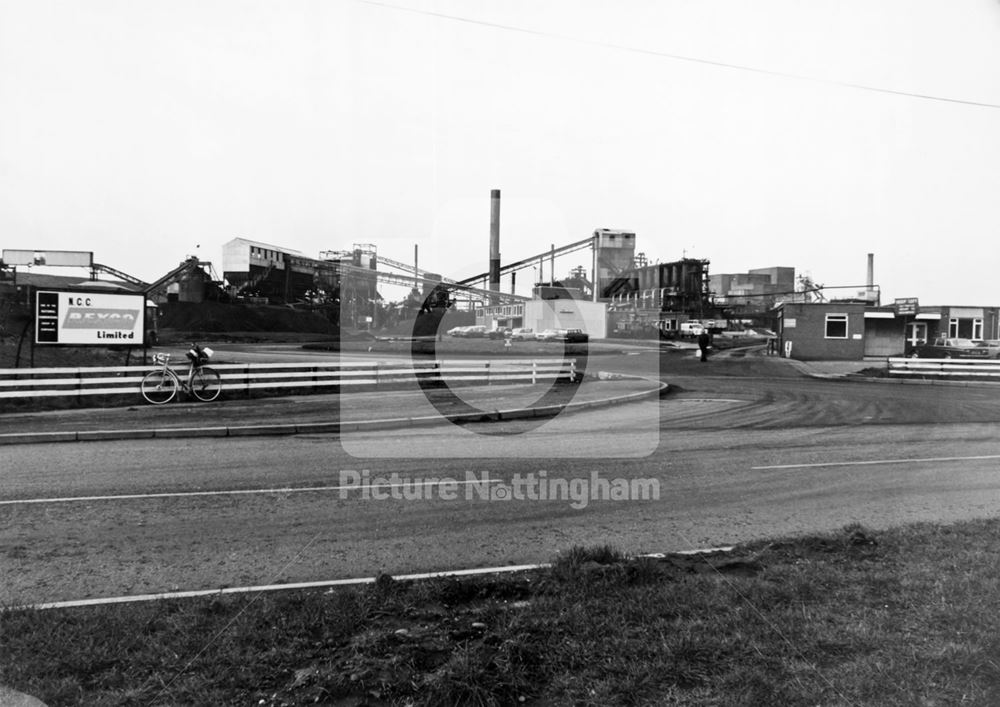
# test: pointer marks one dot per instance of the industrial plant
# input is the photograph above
(619, 293)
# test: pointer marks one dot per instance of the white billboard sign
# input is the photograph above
(65, 258)
(89, 318)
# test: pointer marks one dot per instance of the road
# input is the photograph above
(744, 449)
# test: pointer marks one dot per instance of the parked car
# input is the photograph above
(692, 329)
(992, 344)
(547, 335)
(522, 334)
(501, 333)
(567, 335)
(950, 348)
(468, 332)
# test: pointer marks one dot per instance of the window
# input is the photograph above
(836, 326)
(963, 328)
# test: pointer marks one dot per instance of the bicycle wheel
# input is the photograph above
(206, 384)
(159, 387)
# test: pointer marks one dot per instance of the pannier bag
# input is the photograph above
(200, 356)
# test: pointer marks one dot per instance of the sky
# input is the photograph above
(751, 134)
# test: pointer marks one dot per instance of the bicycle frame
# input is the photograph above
(164, 359)
(164, 382)
(184, 382)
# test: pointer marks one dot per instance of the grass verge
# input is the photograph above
(904, 617)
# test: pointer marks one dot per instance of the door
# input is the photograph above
(882, 338)
(916, 333)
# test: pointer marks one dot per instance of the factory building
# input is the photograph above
(550, 308)
(614, 258)
(855, 330)
(655, 299)
(760, 288)
(265, 273)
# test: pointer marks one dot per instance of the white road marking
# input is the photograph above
(274, 587)
(873, 462)
(326, 583)
(242, 492)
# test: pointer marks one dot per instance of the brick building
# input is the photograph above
(856, 330)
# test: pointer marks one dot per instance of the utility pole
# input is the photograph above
(593, 269)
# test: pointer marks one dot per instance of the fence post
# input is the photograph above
(572, 370)
(489, 380)
(534, 371)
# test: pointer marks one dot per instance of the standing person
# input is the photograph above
(704, 341)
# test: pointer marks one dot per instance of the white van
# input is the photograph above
(692, 329)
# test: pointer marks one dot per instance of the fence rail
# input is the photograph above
(247, 377)
(978, 368)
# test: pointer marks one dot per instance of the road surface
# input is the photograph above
(744, 450)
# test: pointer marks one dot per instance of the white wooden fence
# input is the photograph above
(248, 377)
(945, 367)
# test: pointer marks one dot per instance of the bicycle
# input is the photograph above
(160, 386)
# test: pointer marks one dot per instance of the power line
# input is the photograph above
(681, 57)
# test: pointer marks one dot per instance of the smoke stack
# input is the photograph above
(495, 240)
(871, 294)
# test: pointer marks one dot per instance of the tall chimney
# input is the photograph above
(871, 295)
(494, 285)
